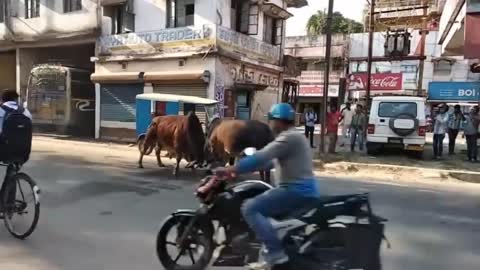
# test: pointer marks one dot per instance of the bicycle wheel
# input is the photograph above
(21, 200)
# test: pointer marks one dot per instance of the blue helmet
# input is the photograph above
(282, 111)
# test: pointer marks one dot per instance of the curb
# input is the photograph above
(436, 174)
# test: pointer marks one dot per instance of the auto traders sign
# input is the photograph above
(379, 82)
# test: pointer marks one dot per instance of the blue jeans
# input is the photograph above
(276, 202)
(438, 144)
(356, 133)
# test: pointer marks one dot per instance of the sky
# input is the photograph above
(352, 9)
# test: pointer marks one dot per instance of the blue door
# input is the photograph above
(143, 116)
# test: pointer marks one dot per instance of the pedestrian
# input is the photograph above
(310, 120)
(439, 129)
(357, 128)
(347, 115)
(333, 119)
(470, 130)
(455, 121)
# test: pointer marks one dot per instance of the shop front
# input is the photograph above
(248, 90)
(465, 94)
(311, 96)
(117, 91)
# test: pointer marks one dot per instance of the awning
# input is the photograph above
(275, 11)
(117, 77)
(200, 76)
(250, 86)
(112, 2)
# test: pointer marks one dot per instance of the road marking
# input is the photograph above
(427, 191)
(393, 184)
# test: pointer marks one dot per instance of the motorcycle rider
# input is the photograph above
(296, 184)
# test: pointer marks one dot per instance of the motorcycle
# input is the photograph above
(315, 237)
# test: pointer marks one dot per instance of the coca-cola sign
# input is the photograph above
(379, 82)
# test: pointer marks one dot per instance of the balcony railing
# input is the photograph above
(316, 77)
(188, 40)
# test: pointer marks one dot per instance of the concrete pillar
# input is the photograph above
(148, 88)
(17, 70)
(97, 111)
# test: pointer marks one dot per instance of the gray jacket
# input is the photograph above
(292, 155)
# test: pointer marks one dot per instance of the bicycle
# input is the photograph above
(14, 200)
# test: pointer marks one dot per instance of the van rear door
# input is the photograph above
(396, 116)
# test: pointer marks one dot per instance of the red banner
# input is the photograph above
(379, 82)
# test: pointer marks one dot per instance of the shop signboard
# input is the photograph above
(454, 91)
(317, 91)
(235, 42)
(170, 40)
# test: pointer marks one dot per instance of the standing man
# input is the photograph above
(333, 118)
(357, 128)
(471, 133)
(439, 129)
(310, 120)
(455, 120)
(347, 115)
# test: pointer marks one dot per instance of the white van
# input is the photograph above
(397, 121)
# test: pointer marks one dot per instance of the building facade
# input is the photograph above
(231, 51)
(458, 31)
(310, 52)
(437, 68)
(42, 32)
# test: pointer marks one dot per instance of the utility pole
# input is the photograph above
(421, 66)
(370, 51)
(328, 49)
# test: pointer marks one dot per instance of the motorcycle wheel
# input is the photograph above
(197, 242)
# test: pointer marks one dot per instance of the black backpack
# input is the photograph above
(16, 136)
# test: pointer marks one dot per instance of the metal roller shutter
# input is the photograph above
(197, 90)
(118, 102)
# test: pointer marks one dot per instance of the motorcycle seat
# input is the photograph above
(329, 207)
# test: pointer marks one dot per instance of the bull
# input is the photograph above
(180, 136)
(226, 140)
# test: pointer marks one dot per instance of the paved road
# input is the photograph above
(100, 212)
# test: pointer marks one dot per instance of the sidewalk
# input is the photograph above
(396, 164)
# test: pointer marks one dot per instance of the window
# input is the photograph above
(244, 17)
(2, 11)
(122, 16)
(72, 5)
(180, 13)
(408, 68)
(393, 109)
(442, 68)
(32, 8)
(272, 30)
(268, 29)
(320, 65)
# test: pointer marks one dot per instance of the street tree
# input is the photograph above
(316, 25)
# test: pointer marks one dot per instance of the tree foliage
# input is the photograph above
(317, 23)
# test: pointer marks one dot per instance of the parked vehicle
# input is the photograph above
(314, 237)
(397, 121)
(62, 99)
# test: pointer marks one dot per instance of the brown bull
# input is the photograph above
(228, 138)
(181, 136)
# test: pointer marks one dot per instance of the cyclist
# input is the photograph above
(296, 184)
(19, 140)
(10, 102)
